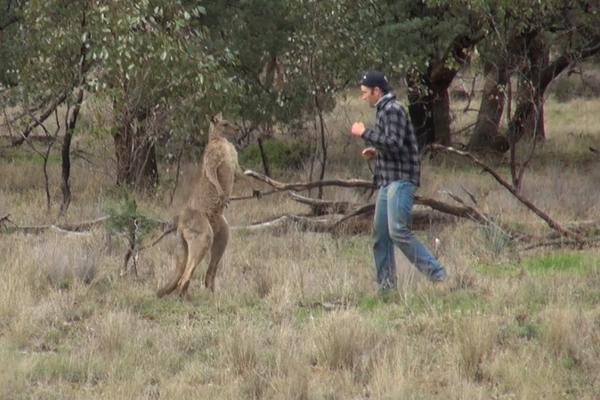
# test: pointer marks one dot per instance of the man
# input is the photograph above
(393, 143)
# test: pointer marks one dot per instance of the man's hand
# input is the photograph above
(358, 128)
(368, 153)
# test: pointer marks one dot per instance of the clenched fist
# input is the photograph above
(368, 153)
(358, 128)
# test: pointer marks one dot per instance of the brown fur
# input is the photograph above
(201, 226)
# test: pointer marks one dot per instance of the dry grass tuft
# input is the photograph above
(476, 337)
(347, 342)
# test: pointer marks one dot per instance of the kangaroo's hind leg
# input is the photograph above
(199, 238)
(181, 255)
(221, 237)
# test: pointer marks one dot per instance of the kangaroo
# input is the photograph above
(201, 226)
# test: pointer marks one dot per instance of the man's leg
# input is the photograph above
(383, 247)
(400, 197)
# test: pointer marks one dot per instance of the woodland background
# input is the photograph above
(105, 107)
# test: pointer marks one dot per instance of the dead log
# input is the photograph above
(284, 223)
(354, 224)
(78, 227)
(559, 242)
(299, 186)
(321, 207)
(458, 211)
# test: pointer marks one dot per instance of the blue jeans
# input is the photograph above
(392, 217)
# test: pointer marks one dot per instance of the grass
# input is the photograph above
(297, 315)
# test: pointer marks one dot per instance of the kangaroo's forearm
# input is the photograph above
(211, 174)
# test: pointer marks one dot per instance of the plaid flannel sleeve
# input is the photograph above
(388, 134)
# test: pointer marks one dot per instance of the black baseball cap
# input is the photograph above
(375, 79)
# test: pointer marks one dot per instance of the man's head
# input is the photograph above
(373, 86)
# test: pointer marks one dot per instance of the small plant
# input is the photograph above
(495, 239)
(128, 222)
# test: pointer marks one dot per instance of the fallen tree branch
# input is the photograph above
(253, 196)
(320, 206)
(339, 223)
(62, 228)
(463, 212)
(357, 183)
(553, 224)
(558, 243)
(285, 222)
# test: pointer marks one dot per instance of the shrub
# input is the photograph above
(280, 154)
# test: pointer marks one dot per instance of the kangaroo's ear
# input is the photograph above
(217, 118)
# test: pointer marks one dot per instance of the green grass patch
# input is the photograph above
(557, 262)
(456, 301)
(370, 303)
(58, 366)
(395, 305)
(524, 330)
(500, 270)
(29, 157)
(161, 310)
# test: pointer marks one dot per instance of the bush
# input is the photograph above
(280, 155)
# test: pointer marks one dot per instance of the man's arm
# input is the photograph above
(391, 138)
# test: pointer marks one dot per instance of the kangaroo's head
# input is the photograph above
(220, 127)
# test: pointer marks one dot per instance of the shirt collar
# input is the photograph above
(383, 100)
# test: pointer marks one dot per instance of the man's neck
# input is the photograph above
(383, 98)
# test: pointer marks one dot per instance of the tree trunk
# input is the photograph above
(486, 134)
(429, 106)
(323, 143)
(528, 117)
(136, 157)
(429, 102)
(71, 122)
(65, 188)
(441, 116)
(419, 109)
(263, 156)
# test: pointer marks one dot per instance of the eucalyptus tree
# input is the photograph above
(159, 77)
(48, 66)
(10, 16)
(561, 34)
(426, 42)
(147, 58)
(534, 43)
(324, 57)
(255, 34)
(290, 59)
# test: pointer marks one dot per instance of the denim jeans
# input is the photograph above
(392, 218)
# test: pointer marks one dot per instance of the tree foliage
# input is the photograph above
(163, 66)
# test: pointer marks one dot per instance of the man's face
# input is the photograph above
(370, 95)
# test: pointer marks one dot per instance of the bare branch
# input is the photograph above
(358, 183)
(553, 224)
(43, 117)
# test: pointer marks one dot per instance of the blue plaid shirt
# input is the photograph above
(394, 138)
